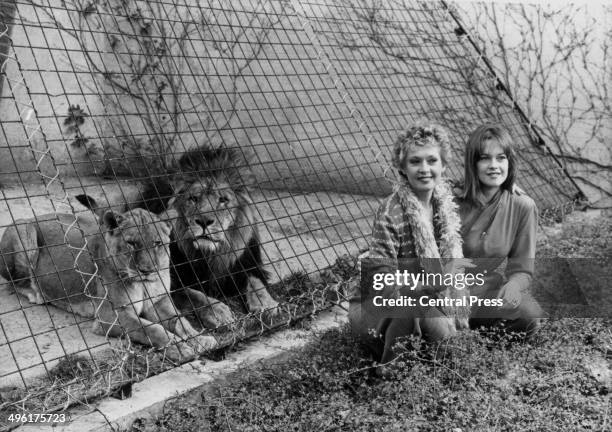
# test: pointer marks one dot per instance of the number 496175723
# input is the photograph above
(38, 418)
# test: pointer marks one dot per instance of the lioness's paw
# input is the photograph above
(179, 351)
(216, 315)
(203, 343)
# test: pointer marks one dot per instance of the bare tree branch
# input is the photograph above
(162, 66)
(558, 70)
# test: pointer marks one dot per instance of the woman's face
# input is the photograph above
(492, 167)
(423, 168)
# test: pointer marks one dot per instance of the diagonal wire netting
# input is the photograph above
(401, 60)
(180, 175)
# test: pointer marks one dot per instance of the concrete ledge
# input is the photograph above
(149, 396)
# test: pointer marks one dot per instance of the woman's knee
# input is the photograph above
(431, 329)
(530, 317)
(397, 328)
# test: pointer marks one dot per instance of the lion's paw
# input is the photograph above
(216, 315)
(266, 306)
(261, 302)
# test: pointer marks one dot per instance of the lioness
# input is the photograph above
(48, 260)
(215, 248)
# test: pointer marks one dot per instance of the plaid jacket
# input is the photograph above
(391, 233)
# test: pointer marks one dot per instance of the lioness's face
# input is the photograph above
(138, 243)
(207, 209)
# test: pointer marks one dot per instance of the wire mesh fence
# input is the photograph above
(179, 175)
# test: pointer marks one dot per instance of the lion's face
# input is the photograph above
(138, 243)
(207, 211)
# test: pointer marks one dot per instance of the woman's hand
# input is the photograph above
(517, 190)
(458, 265)
(511, 295)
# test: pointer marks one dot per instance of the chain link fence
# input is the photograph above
(252, 136)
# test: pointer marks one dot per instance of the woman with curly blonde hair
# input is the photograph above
(417, 229)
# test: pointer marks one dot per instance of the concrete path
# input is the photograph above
(150, 396)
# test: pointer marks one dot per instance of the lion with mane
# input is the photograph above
(215, 245)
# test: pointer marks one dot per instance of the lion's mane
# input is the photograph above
(239, 257)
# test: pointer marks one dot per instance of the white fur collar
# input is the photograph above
(423, 229)
(424, 239)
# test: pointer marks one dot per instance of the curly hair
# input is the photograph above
(422, 133)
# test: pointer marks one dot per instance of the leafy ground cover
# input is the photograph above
(559, 381)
